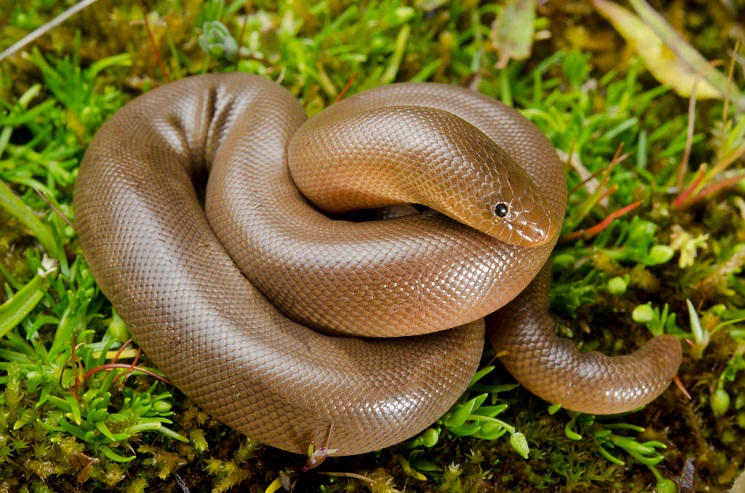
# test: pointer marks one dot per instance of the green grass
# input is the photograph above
(73, 412)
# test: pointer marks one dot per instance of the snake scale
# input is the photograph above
(224, 297)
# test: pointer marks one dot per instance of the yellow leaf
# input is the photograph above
(275, 486)
(672, 61)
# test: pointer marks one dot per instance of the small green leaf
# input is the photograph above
(17, 308)
(62, 404)
(643, 314)
(101, 426)
(554, 408)
(490, 411)
(659, 254)
(618, 285)
(481, 374)
(430, 437)
(465, 430)
(459, 414)
(170, 433)
(719, 402)
(610, 457)
(17, 208)
(571, 434)
(666, 486)
(520, 444)
(425, 465)
(74, 413)
(114, 456)
(490, 431)
(72, 430)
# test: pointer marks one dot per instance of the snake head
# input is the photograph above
(514, 212)
(466, 175)
(491, 193)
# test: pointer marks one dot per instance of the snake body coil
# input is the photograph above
(495, 193)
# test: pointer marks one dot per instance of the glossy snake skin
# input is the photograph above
(494, 193)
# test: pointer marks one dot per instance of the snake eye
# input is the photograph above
(501, 209)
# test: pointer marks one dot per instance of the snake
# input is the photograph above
(217, 219)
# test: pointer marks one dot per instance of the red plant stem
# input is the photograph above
(111, 366)
(131, 366)
(75, 362)
(610, 191)
(680, 199)
(681, 387)
(589, 232)
(346, 88)
(121, 349)
(716, 187)
(152, 43)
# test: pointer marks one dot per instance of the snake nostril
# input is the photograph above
(501, 209)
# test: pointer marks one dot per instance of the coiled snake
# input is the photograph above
(495, 196)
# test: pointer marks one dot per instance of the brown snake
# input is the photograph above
(212, 331)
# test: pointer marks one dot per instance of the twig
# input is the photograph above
(691, 120)
(57, 211)
(18, 45)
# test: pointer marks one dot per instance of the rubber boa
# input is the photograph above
(245, 303)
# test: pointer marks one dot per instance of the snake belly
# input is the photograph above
(239, 343)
